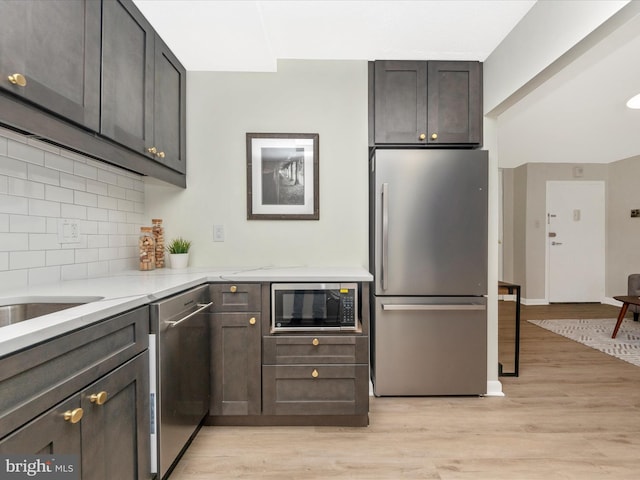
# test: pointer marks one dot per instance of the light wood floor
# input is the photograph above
(573, 413)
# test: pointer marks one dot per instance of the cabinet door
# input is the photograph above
(235, 364)
(400, 101)
(169, 108)
(455, 103)
(115, 426)
(127, 76)
(55, 47)
(49, 433)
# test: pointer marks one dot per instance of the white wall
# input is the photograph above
(41, 184)
(324, 97)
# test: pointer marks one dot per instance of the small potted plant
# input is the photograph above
(178, 249)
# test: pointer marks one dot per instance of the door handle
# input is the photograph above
(556, 243)
(201, 307)
(420, 307)
(385, 234)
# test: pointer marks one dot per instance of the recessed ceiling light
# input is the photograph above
(634, 102)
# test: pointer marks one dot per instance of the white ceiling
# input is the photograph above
(576, 116)
(213, 35)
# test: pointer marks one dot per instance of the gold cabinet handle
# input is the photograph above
(315, 373)
(233, 289)
(73, 416)
(152, 150)
(422, 136)
(252, 320)
(160, 154)
(98, 398)
(18, 79)
(434, 136)
(315, 342)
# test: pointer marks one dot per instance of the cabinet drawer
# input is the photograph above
(296, 350)
(33, 380)
(315, 389)
(235, 297)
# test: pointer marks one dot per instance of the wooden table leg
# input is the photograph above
(623, 312)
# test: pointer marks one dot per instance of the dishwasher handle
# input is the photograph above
(420, 307)
(201, 307)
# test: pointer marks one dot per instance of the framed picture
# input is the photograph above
(282, 176)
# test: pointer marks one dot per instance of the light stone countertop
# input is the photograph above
(124, 291)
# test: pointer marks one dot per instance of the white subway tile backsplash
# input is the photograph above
(107, 202)
(58, 194)
(44, 241)
(29, 259)
(10, 204)
(99, 214)
(74, 272)
(73, 182)
(11, 242)
(42, 184)
(96, 269)
(12, 167)
(117, 192)
(14, 279)
(107, 177)
(87, 255)
(55, 161)
(25, 188)
(27, 224)
(97, 241)
(36, 173)
(84, 198)
(60, 257)
(84, 170)
(73, 211)
(28, 153)
(97, 187)
(44, 275)
(44, 208)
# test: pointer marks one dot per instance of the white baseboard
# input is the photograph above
(534, 301)
(494, 389)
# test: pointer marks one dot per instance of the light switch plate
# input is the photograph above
(218, 233)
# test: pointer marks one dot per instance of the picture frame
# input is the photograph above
(283, 176)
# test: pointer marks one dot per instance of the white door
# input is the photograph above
(575, 241)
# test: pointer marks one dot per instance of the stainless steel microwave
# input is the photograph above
(299, 307)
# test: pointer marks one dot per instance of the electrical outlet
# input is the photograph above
(68, 231)
(218, 233)
(635, 213)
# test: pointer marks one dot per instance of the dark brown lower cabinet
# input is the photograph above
(106, 425)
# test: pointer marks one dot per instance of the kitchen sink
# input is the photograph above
(20, 311)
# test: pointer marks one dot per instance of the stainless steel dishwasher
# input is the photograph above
(179, 374)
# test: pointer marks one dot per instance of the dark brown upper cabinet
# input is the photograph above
(434, 103)
(143, 87)
(50, 56)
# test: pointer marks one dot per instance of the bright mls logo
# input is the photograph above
(49, 467)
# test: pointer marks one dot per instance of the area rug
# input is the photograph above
(596, 333)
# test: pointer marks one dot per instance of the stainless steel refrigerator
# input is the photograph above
(428, 247)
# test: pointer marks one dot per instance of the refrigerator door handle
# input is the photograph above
(385, 234)
(432, 307)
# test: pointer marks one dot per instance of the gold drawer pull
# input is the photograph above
(233, 289)
(99, 398)
(73, 416)
(152, 150)
(315, 342)
(315, 373)
(434, 136)
(160, 154)
(252, 320)
(422, 136)
(17, 79)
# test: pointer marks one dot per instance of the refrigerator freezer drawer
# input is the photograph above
(429, 346)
